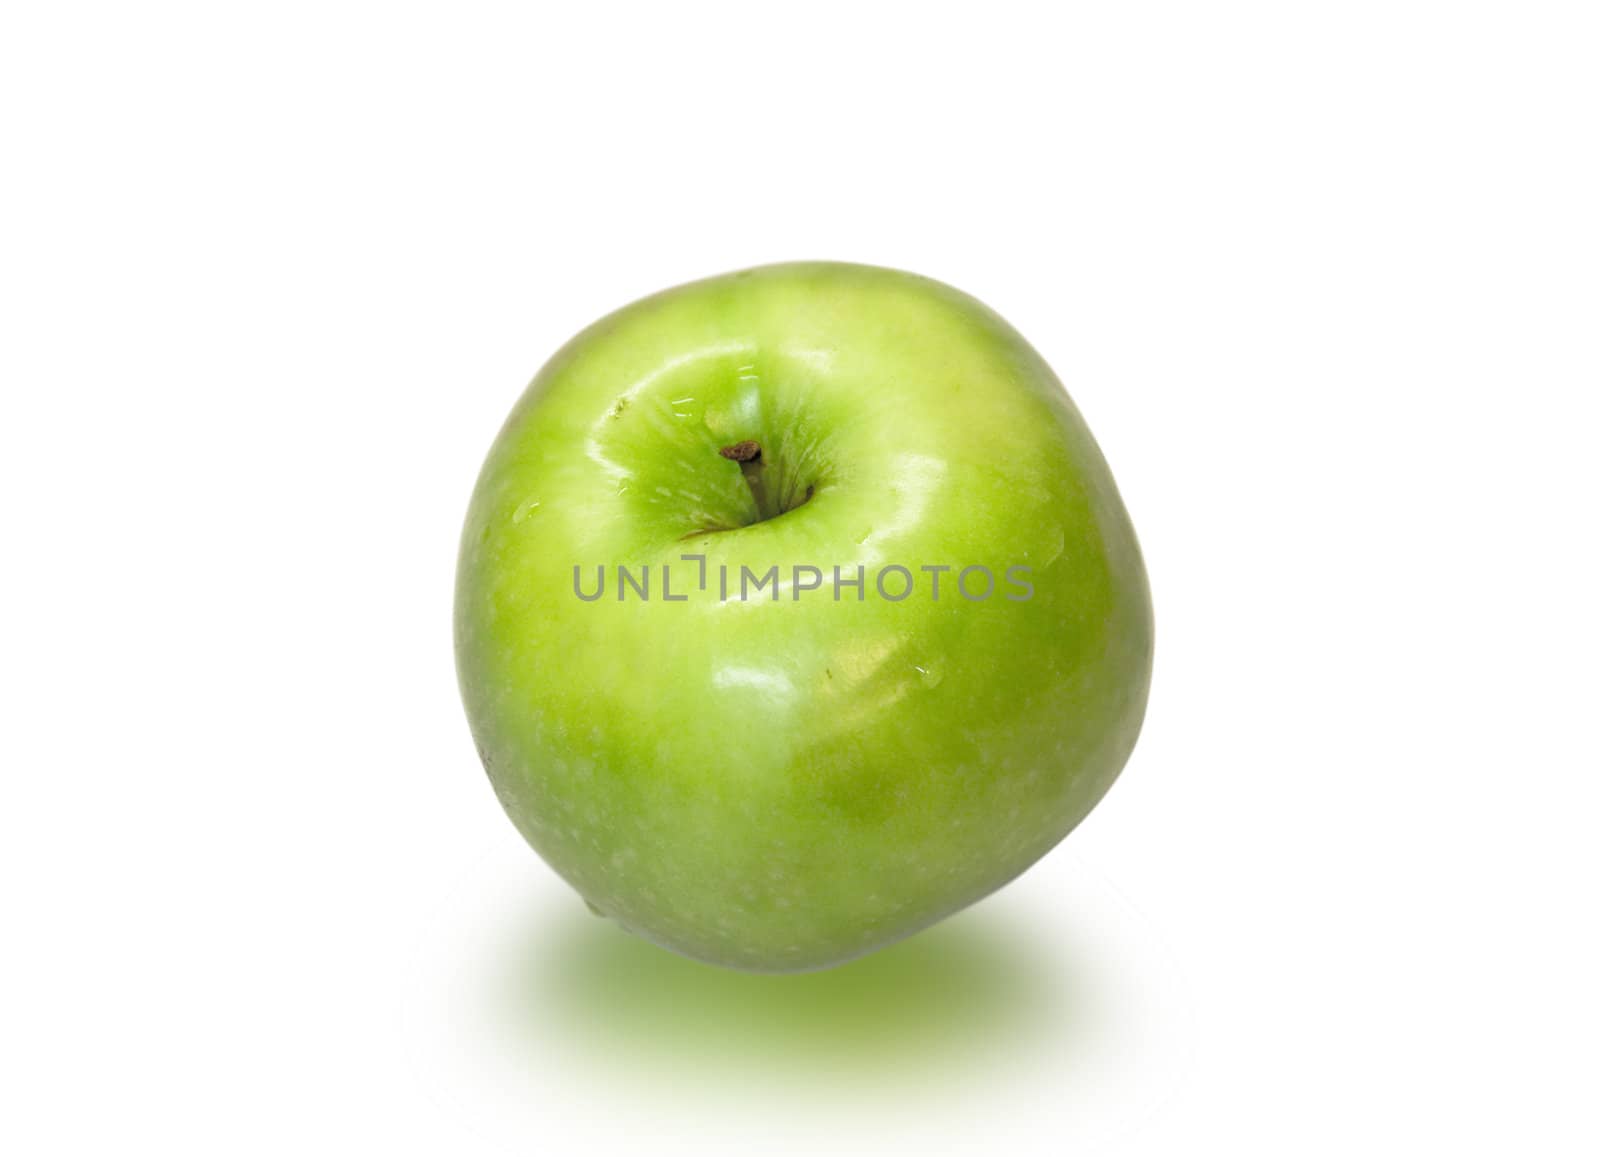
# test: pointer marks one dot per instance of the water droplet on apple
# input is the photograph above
(932, 676)
(524, 510)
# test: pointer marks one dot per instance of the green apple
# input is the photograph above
(796, 610)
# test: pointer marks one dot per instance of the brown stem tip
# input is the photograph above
(746, 451)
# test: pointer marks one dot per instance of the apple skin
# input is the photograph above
(784, 785)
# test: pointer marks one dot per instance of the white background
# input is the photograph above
(1323, 279)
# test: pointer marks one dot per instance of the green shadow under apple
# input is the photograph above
(972, 993)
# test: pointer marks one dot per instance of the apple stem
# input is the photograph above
(748, 455)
